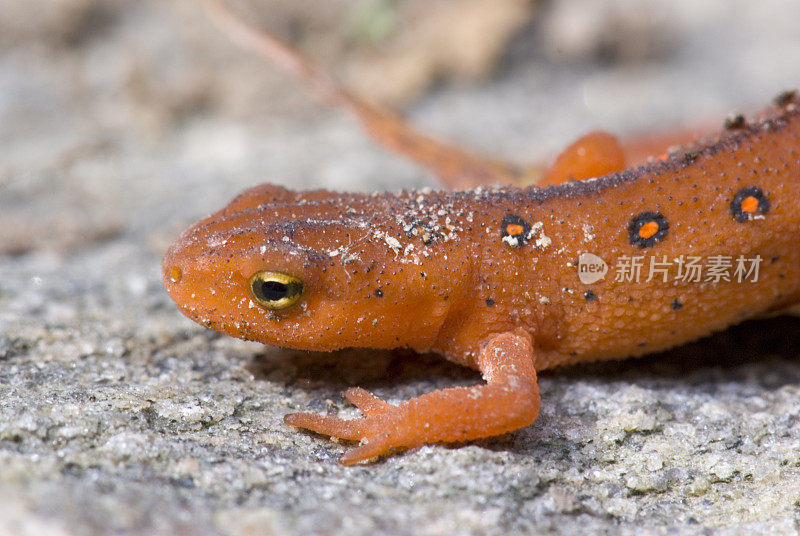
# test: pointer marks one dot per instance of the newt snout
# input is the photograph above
(286, 271)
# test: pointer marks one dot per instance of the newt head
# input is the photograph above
(317, 271)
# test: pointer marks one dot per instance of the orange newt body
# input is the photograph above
(504, 279)
(494, 270)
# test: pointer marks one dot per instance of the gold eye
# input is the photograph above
(275, 290)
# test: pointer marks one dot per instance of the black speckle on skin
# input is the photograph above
(378, 293)
(691, 156)
(734, 121)
(785, 97)
(590, 295)
(676, 305)
(641, 219)
(489, 302)
(748, 191)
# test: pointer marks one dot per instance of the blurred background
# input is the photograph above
(124, 121)
(118, 114)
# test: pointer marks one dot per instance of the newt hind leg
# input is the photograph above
(508, 401)
(592, 155)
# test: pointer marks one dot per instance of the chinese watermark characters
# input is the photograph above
(685, 268)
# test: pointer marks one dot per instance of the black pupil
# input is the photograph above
(272, 290)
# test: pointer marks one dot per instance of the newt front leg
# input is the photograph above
(508, 401)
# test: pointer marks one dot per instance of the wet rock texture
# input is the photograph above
(123, 122)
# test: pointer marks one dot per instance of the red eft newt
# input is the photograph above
(509, 280)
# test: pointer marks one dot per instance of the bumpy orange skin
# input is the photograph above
(436, 296)
(432, 270)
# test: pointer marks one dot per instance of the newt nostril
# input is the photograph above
(175, 274)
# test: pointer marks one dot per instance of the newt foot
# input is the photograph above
(376, 431)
